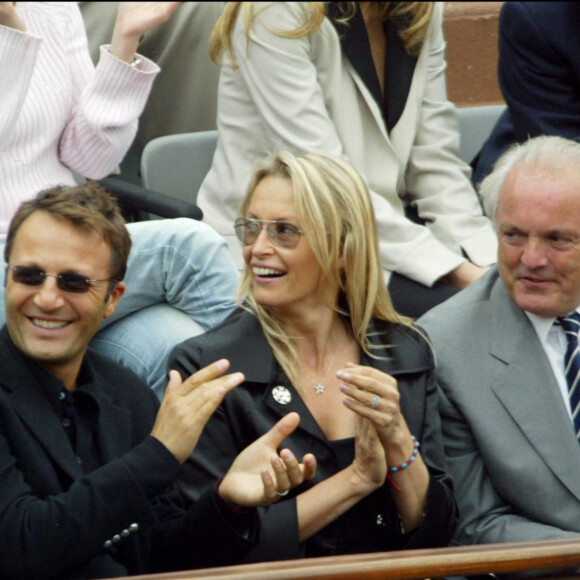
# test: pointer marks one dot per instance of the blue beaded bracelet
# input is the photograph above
(410, 460)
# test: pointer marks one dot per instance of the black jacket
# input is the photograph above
(251, 409)
(125, 517)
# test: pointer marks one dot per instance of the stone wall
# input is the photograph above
(470, 30)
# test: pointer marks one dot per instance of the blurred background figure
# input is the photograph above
(365, 82)
(184, 97)
(539, 76)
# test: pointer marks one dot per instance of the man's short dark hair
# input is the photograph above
(89, 208)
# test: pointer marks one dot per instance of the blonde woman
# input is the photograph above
(364, 82)
(317, 334)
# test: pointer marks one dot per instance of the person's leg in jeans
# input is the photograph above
(143, 340)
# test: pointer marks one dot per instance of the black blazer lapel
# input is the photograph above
(399, 65)
(399, 71)
(253, 357)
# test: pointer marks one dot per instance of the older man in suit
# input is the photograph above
(502, 349)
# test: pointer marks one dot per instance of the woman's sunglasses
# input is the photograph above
(283, 234)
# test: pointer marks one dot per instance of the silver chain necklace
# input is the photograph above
(319, 387)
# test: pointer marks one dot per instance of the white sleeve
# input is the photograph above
(438, 181)
(107, 103)
(18, 54)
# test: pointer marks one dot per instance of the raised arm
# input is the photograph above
(135, 19)
(106, 102)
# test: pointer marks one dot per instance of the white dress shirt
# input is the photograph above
(553, 340)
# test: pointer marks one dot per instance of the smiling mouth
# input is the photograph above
(266, 272)
(49, 324)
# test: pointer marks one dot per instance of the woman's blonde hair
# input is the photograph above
(412, 20)
(335, 212)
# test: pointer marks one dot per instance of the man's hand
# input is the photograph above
(259, 476)
(187, 406)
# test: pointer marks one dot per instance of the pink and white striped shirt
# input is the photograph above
(57, 112)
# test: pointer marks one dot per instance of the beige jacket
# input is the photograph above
(303, 95)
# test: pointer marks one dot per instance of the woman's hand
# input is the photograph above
(259, 476)
(9, 17)
(374, 395)
(134, 19)
(370, 463)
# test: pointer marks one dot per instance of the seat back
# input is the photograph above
(475, 126)
(177, 164)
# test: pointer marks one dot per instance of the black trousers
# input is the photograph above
(414, 299)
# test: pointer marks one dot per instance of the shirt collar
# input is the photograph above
(542, 325)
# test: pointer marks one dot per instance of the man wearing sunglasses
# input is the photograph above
(88, 464)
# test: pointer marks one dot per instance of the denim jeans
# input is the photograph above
(180, 282)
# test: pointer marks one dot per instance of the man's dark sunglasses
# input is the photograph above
(67, 281)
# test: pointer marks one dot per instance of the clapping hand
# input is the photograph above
(370, 463)
(259, 475)
(187, 406)
(374, 395)
(134, 19)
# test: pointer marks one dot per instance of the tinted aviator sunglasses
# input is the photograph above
(282, 234)
(67, 281)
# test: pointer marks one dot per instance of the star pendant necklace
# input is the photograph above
(319, 388)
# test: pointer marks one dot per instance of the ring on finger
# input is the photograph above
(375, 401)
(282, 493)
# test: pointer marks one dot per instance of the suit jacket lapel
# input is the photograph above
(528, 390)
(253, 357)
(30, 402)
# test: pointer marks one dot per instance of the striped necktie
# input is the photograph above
(571, 325)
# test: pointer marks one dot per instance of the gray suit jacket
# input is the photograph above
(509, 440)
